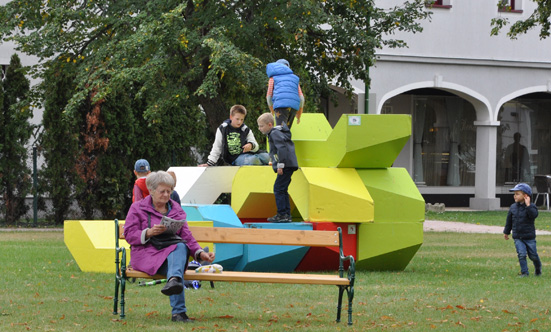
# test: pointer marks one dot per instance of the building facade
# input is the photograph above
(480, 104)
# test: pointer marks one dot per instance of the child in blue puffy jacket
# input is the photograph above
(284, 96)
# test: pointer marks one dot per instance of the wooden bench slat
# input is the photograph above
(257, 277)
(261, 236)
(266, 236)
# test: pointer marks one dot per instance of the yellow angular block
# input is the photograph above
(92, 243)
(331, 194)
(253, 192)
(319, 194)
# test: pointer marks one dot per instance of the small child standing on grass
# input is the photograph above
(520, 220)
(284, 163)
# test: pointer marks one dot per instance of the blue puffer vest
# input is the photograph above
(285, 86)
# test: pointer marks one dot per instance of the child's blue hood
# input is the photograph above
(274, 69)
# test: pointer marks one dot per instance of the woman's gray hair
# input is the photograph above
(154, 179)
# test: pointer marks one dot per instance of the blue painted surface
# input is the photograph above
(272, 258)
(221, 215)
(192, 213)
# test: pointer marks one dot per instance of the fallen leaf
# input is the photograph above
(226, 316)
(507, 311)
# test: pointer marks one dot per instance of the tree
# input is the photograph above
(539, 18)
(180, 65)
(59, 144)
(209, 53)
(15, 111)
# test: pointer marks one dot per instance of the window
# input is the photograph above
(524, 139)
(513, 6)
(438, 3)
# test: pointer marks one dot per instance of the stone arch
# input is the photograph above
(518, 93)
(479, 102)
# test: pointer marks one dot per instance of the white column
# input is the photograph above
(485, 176)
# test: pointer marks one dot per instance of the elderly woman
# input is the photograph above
(172, 260)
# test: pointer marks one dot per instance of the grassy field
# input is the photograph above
(455, 282)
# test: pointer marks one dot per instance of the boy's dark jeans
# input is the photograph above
(527, 248)
(285, 115)
(281, 186)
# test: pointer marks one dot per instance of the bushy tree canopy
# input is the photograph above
(208, 53)
(150, 78)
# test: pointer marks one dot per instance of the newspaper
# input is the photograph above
(172, 225)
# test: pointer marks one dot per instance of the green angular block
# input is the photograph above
(388, 246)
(358, 140)
(395, 195)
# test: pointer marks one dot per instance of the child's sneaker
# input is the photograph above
(279, 218)
(522, 275)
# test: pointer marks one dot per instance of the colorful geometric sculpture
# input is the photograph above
(331, 194)
(345, 180)
(203, 185)
(92, 243)
(326, 259)
(271, 258)
(358, 141)
(222, 215)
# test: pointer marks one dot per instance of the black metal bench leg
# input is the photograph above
(339, 303)
(123, 288)
(116, 298)
(350, 293)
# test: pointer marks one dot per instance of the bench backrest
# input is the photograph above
(261, 236)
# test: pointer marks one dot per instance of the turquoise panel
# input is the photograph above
(192, 213)
(221, 215)
(272, 258)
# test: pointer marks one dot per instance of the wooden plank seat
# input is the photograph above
(345, 283)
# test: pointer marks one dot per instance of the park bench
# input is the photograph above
(250, 236)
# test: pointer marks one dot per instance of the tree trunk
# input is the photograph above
(215, 110)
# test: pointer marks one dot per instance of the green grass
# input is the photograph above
(493, 218)
(455, 282)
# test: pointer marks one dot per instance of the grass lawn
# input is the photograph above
(455, 282)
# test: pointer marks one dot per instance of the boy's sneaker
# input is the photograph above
(181, 317)
(280, 218)
(522, 275)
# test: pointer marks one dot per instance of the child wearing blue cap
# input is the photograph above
(520, 220)
(141, 170)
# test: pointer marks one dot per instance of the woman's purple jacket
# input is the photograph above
(145, 257)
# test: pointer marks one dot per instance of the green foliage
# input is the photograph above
(209, 52)
(154, 79)
(15, 131)
(59, 143)
(539, 18)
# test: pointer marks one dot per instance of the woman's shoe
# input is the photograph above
(173, 286)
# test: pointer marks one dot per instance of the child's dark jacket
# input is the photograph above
(282, 148)
(520, 220)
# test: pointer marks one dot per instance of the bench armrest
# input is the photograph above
(351, 273)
